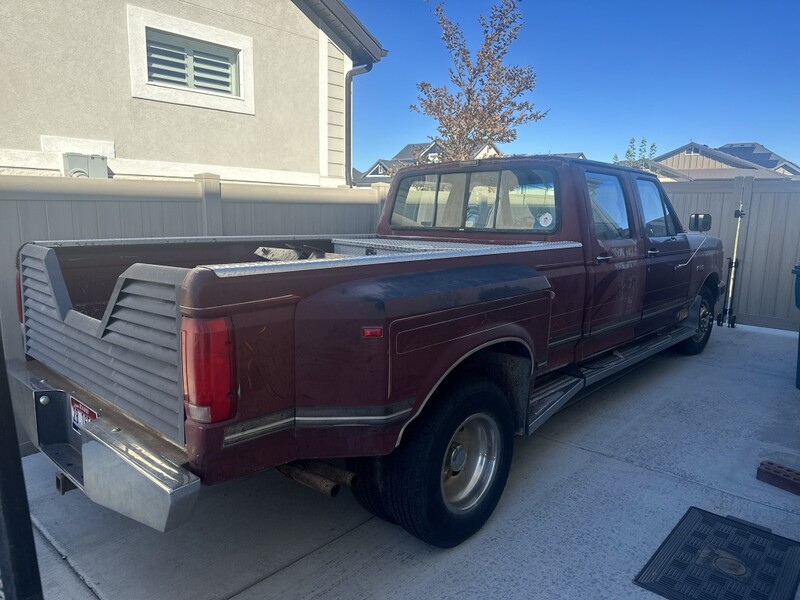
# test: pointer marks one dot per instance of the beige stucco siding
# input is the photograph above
(66, 72)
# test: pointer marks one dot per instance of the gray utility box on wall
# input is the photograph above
(85, 165)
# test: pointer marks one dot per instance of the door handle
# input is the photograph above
(603, 258)
(652, 253)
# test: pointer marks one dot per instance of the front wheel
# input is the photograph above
(449, 473)
(697, 343)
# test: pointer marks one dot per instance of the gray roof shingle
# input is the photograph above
(760, 155)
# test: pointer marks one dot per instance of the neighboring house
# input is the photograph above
(383, 170)
(252, 91)
(758, 154)
(695, 161)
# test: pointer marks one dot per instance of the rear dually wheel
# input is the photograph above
(449, 472)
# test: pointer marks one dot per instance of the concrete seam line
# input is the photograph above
(61, 551)
(297, 560)
(671, 475)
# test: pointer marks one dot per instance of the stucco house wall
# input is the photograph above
(68, 87)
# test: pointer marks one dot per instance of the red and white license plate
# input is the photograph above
(81, 414)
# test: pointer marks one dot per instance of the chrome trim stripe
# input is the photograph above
(666, 308)
(615, 324)
(353, 420)
(248, 434)
(315, 417)
(564, 339)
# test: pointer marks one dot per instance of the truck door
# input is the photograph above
(667, 247)
(616, 266)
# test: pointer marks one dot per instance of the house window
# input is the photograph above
(188, 63)
(691, 151)
(182, 62)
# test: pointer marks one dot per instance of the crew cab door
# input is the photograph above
(667, 247)
(616, 265)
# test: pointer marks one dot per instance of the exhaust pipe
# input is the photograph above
(310, 479)
(318, 475)
(329, 471)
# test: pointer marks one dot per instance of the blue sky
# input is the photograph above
(710, 71)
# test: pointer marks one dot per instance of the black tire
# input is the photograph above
(469, 431)
(370, 487)
(697, 343)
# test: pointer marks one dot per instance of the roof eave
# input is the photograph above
(366, 49)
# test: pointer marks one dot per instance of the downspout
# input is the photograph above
(348, 114)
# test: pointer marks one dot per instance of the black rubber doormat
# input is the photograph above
(708, 557)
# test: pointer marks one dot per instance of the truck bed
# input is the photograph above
(110, 320)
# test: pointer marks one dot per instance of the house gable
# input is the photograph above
(419, 152)
(376, 170)
(693, 156)
(788, 168)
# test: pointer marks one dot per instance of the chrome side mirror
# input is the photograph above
(699, 222)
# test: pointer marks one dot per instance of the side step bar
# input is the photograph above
(555, 393)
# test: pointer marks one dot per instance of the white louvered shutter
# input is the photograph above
(185, 62)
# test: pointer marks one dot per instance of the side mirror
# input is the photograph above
(699, 222)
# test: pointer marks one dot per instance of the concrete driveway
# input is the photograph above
(590, 498)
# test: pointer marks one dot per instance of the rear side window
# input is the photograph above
(609, 211)
(506, 200)
(658, 218)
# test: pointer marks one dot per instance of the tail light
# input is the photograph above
(19, 297)
(209, 369)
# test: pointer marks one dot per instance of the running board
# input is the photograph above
(556, 392)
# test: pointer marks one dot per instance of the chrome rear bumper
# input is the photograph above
(117, 463)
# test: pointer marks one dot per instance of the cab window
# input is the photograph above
(520, 199)
(659, 221)
(609, 211)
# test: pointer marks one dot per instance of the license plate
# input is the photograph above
(81, 414)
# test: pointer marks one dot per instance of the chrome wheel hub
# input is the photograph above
(458, 457)
(470, 462)
(706, 320)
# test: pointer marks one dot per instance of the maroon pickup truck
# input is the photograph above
(401, 363)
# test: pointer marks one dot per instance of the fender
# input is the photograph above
(441, 380)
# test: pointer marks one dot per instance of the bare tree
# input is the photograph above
(488, 102)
